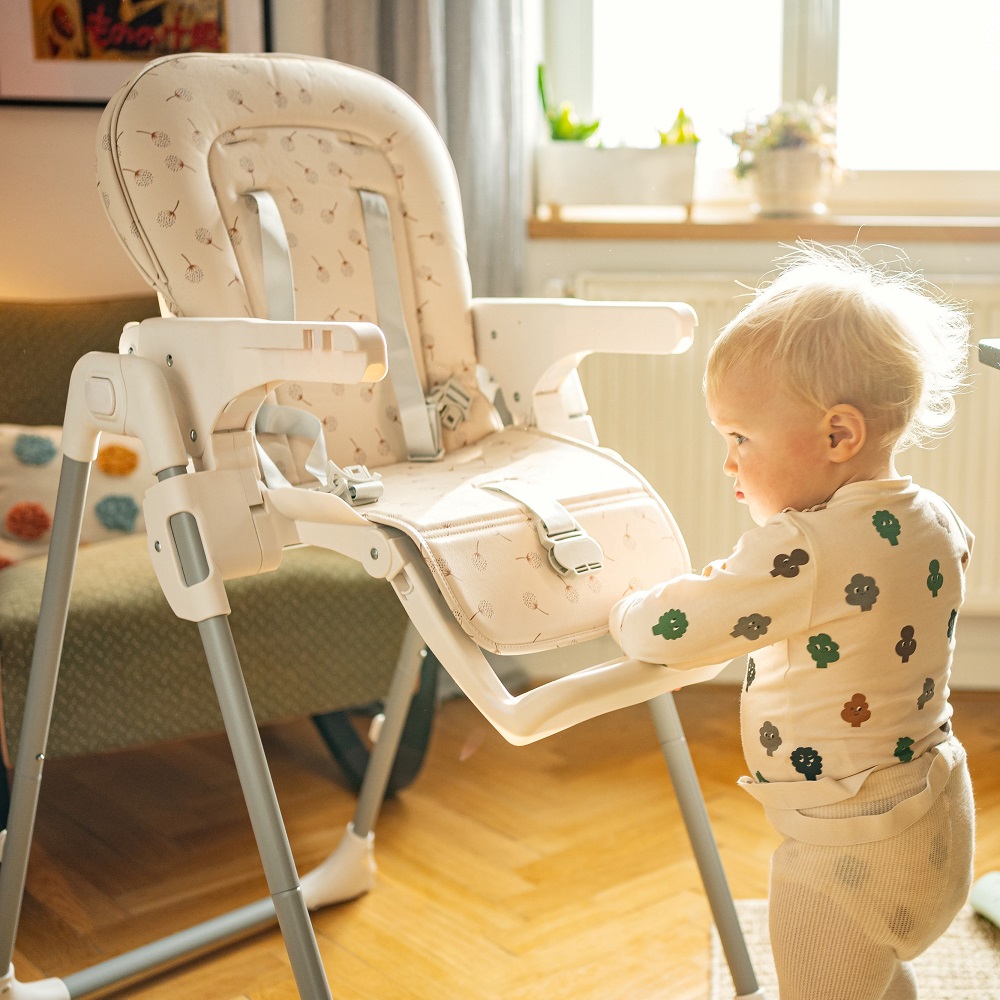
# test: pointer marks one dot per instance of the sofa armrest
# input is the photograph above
(40, 342)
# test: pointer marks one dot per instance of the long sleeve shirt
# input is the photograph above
(847, 615)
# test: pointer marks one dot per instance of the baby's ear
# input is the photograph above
(847, 430)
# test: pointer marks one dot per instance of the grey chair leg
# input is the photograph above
(254, 775)
(670, 733)
(352, 755)
(65, 539)
(286, 899)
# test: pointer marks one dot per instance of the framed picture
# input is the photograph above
(81, 51)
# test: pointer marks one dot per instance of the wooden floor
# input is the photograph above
(559, 870)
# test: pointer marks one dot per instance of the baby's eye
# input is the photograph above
(739, 438)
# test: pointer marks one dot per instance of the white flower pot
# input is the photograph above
(791, 182)
(572, 173)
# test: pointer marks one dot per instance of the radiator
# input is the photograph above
(651, 410)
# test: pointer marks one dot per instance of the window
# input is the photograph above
(916, 85)
(927, 99)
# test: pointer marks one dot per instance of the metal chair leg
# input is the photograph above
(670, 733)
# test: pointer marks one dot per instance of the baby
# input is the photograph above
(845, 597)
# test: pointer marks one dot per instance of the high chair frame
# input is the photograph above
(191, 390)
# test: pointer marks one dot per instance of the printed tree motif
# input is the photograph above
(935, 581)
(322, 272)
(788, 565)
(770, 738)
(192, 272)
(478, 559)
(807, 762)
(907, 645)
(951, 623)
(887, 525)
(159, 138)
(856, 711)
(823, 650)
(530, 601)
(485, 609)
(237, 98)
(197, 136)
(671, 625)
(761, 780)
(927, 693)
(861, 591)
(903, 751)
(751, 671)
(168, 216)
(751, 627)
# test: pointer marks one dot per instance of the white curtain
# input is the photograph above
(461, 60)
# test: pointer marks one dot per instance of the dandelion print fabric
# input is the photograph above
(30, 462)
(847, 616)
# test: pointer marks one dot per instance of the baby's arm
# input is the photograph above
(758, 596)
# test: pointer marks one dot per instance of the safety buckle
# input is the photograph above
(452, 402)
(573, 552)
(354, 483)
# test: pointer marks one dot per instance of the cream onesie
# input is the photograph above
(847, 612)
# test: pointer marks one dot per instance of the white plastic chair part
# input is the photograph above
(531, 348)
(541, 711)
(122, 395)
(313, 134)
(348, 872)
(228, 366)
(40, 989)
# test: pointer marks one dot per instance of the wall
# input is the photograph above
(56, 242)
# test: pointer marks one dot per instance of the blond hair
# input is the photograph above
(836, 328)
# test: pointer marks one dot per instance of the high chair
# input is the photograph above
(254, 189)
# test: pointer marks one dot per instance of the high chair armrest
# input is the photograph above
(529, 347)
(220, 370)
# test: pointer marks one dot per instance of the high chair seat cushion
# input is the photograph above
(484, 546)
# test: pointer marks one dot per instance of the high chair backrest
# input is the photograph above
(189, 144)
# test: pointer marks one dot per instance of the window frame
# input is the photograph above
(809, 61)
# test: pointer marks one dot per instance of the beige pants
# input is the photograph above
(846, 921)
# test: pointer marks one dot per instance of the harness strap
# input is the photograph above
(572, 552)
(421, 428)
(279, 289)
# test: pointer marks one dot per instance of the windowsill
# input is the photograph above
(705, 224)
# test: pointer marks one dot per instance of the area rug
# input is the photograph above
(963, 964)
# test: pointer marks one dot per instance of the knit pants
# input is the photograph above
(845, 922)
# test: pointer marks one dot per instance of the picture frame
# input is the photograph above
(96, 45)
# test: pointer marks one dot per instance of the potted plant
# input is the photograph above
(790, 154)
(575, 169)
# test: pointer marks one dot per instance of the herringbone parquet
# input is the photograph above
(559, 870)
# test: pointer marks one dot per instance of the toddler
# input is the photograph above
(845, 597)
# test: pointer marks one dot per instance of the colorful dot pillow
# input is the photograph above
(30, 461)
